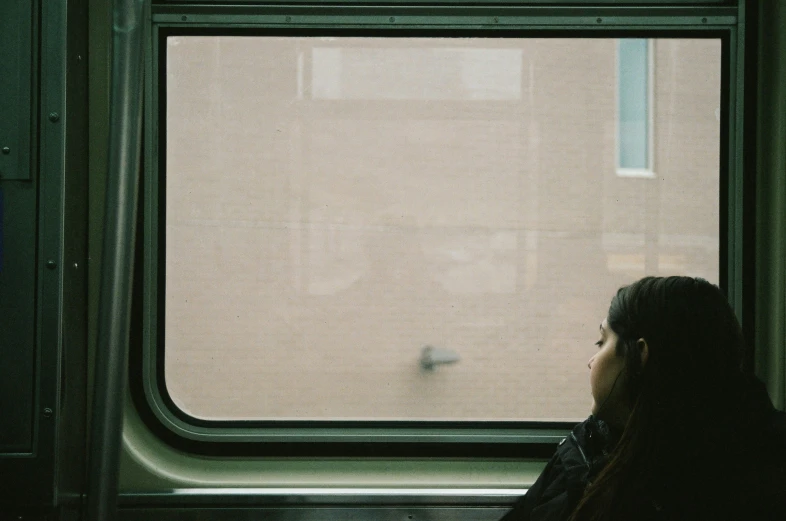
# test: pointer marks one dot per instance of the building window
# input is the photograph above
(635, 108)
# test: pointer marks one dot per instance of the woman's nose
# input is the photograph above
(589, 363)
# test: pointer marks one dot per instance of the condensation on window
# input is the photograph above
(417, 228)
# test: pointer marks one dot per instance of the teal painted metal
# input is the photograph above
(17, 315)
(734, 167)
(508, 3)
(17, 272)
(118, 258)
(150, 325)
(448, 17)
(71, 422)
(33, 281)
(771, 204)
(718, 22)
(18, 226)
(51, 177)
(16, 66)
(36, 206)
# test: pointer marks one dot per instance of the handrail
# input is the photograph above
(118, 257)
(309, 497)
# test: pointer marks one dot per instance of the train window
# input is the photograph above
(420, 229)
(634, 108)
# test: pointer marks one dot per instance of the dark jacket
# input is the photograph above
(746, 481)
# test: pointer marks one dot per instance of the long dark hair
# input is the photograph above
(691, 376)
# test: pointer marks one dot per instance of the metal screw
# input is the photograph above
(184, 18)
(599, 20)
(47, 412)
(54, 117)
(704, 20)
(496, 20)
(76, 265)
(289, 18)
(51, 264)
(6, 150)
(392, 19)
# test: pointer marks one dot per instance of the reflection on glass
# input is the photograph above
(383, 73)
(334, 205)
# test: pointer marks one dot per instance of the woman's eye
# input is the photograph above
(599, 343)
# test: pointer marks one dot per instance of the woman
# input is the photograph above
(677, 430)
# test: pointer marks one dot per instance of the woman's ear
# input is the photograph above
(644, 350)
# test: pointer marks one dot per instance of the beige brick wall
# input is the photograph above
(335, 205)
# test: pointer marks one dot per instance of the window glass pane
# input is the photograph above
(336, 205)
(633, 94)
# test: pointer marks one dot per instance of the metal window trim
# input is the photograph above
(394, 19)
(725, 26)
(735, 168)
(540, 4)
(48, 167)
(769, 324)
(442, 15)
(305, 496)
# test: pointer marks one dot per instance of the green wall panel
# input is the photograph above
(17, 327)
(17, 250)
(16, 28)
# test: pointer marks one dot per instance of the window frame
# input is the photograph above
(405, 438)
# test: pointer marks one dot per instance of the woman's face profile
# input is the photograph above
(605, 371)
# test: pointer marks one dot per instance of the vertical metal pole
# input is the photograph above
(770, 328)
(117, 258)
